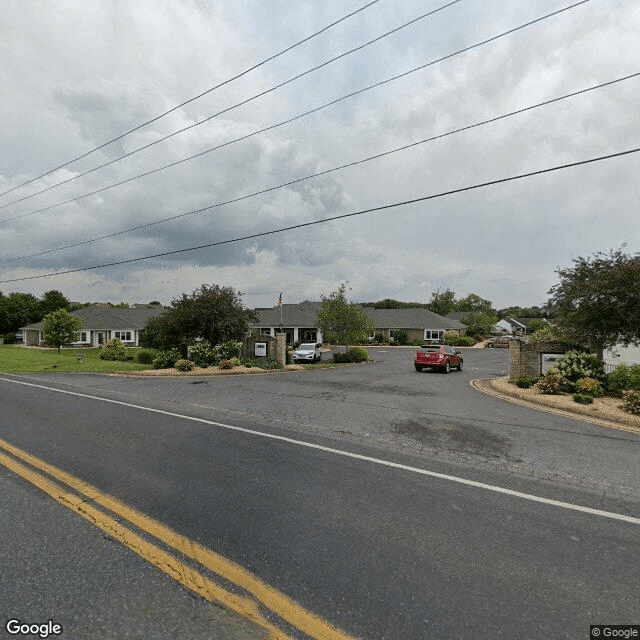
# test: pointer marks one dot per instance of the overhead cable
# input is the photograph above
(349, 95)
(196, 97)
(332, 218)
(235, 106)
(333, 169)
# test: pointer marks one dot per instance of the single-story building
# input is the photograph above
(298, 321)
(99, 324)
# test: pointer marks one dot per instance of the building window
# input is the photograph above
(82, 336)
(124, 336)
(433, 334)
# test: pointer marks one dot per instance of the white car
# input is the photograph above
(308, 352)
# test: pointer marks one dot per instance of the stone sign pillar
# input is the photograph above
(282, 348)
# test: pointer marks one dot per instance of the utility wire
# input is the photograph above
(349, 95)
(197, 97)
(239, 104)
(333, 169)
(334, 218)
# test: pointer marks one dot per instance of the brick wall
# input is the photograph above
(525, 358)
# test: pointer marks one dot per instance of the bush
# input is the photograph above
(229, 349)
(262, 363)
(113, 350)
(551, 383)
(227, 363)
(184, 365)
(524, 382)
(379, 338)
(590, 387)
(203, 354)
(358, 354)
(631, 398)
(624, 377)
(341, 358)
(400, 337)
(145, 356)
(166, 359)
(10, 338)
(582, 398)
(576, 364)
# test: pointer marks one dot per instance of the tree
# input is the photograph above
(212, 312)
(597, 301)
(52, 301)
(342, 320)
(391, 303)
(473, 302)
(60, 328)
(442, 302)
(479, 324)
(21, 309)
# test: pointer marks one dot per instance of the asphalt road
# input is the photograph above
(351, 527)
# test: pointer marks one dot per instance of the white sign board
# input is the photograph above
(260, 349)
(548, 360)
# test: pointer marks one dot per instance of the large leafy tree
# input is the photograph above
(442, 302)
(597, 300)
(341, 320)
(60, 328)
(212, 312)
(52, 301)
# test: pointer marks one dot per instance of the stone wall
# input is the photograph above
(276, 347)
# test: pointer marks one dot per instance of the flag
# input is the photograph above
(279, 303)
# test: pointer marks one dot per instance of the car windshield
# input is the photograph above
(306, 347)
(430, 347)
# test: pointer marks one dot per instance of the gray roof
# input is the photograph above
(97, 318)
(410, 319)
(304, 313)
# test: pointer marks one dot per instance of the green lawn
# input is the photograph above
(16, 359)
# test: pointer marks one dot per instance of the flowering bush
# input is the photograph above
(184, 365)
(590, 387)
(577, 364)
(631, 402)
(166, 359)
(203, 354)
(113, 350)
(551, 383)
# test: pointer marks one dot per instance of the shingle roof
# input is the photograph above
(304, 313)
(97, 318)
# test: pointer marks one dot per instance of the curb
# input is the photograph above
(484, 386)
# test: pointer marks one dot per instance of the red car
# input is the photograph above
(437, 356)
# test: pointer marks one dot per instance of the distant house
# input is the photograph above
(100, 323)
(298, 321)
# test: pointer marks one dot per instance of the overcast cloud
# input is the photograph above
(75, 74)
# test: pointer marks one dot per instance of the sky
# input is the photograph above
(76, 75)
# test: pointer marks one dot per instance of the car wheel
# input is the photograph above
(460, 365)
(446, 368)
(418, 367)
(490, 345)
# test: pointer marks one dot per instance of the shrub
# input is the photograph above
(227, 363)
(582, 398)
(631, 401)
(576, 364)
(203, 354)
(589, 386)
(10, 338)
(464, 341)
(263, 363)
(229, 349)
(358, 354)
(624, 377)
(379, 338)
(166, 359)
(145, 356)
(551, 383)
(184, 365)
(400, 337)
(113, 350)
(341, 358)
(524, 382)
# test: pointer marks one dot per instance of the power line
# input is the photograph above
(349, 95)
(334, 169)
(235, 106)
(197, 97)
(334, 218)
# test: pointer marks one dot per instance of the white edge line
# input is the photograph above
(356, 456)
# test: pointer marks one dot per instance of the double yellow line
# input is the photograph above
(81, 497)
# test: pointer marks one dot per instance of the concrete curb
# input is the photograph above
(484, 386)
